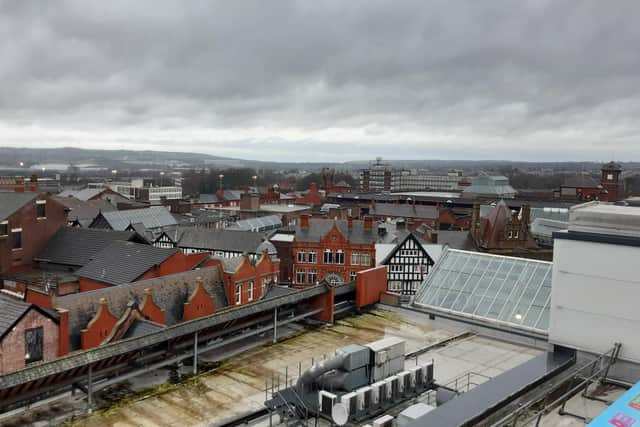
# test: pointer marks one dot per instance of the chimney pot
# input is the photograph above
(304, 221)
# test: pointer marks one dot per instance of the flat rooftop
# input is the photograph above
(237, 387)
(605, 218)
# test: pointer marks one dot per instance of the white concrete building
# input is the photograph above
(595, 298)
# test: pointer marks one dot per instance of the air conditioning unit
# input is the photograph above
(364, 398)
(404, 383)
(377, 393)
(416, 373)
(427, 372)
(384, 421)
(326, 401)
(350, 401)
(394, 387)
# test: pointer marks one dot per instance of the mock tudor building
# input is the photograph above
(27, 221)
(332, 250)
(407, 265)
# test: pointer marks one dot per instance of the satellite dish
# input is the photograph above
(339, 414)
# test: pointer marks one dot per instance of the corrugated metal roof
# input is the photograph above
(152, 217)
(513, 291)
(123, 262)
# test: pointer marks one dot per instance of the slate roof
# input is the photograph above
(84, 194)
(208, 198)
(123, 262)
(169, 293)
(84, 212)
(581, 181)
(12, 310)
(152, 217)
(141, 327)
(75, 247)
(404, 210)
(456, 240)
(12, 201)
(215, 239)
(318, 228)
(230, 265)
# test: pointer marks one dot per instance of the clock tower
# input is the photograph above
(611, 181)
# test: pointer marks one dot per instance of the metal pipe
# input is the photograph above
(195, 353)
(275, 325)
(90, 390)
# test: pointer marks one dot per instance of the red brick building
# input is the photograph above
(611, 181)
(27, 222)
(332, 250)
(29, 334)
(244, 281)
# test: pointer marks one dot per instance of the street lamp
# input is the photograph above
(21, 164)
(161, 178)
(255, 183)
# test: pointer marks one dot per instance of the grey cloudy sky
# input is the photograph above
(325, 80)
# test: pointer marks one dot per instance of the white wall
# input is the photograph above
(595, 297)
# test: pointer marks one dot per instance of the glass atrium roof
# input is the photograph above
(516, 291)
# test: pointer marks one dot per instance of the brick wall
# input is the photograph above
(370, 284)
(35, 233)
(12, 347)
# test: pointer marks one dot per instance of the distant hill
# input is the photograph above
(10, 157)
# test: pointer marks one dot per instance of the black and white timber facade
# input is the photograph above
(407, 266)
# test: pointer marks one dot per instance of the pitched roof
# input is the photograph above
(75, 247)
(12, 201)
(12, 310)
(123, 262)
(318, 228)
(268, 222)
(223, 240)
(139, 327)
(84, 212)
(404, 210)
(169, 293)
(581, 181)
(494, 224)
(456, 240)
(411, 236)
(492, 186)
(84, 194)
(152, 217)
(230, 265)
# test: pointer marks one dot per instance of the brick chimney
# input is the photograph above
(63, 332)
(304, 221)
(475, 220)
(313, 188)
(350, 222)
(368, 222)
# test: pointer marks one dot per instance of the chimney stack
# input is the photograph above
(350, 222)
(368, 222)
(304, 221)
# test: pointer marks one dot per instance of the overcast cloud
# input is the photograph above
(325, 80)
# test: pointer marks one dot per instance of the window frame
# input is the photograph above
(4, 225)
(238, 293)
(13, 239)
(40, 203)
